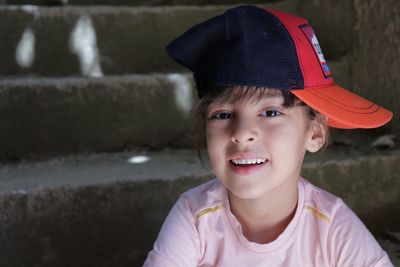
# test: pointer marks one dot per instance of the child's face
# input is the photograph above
(265, 133)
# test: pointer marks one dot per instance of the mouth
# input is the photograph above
(247, 166)
(247, 162)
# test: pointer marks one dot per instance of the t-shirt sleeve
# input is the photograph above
(177, 243)
(351, 244)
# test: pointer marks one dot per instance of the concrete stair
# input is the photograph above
(95, 141)
(51, 116)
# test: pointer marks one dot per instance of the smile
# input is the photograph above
(247, 166)
(247, 161)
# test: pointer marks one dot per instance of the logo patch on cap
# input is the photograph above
(312, 38)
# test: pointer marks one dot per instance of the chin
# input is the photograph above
(246, 194)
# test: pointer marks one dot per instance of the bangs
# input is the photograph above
(246, 94)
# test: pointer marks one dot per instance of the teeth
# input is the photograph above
(247, 161)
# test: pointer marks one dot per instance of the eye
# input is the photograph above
(271, 113)
(221, 116)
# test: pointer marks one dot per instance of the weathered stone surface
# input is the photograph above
(113, 221)
(369, 184)
(49, 116)
(129, 40)
(87, 169)
(125, 39)
(333, 22)
(376, 60)
(111, 225)
(341, 72)
(134, 2)
(392, 248)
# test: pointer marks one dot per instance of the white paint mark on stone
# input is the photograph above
(25, 50)
(183, 91)
(138, 159)
(31, 9)
(19, 192)
(83, 43)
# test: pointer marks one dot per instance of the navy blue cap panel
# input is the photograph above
(191, 46)
(210, 58)
(244, 46)
(262, 54)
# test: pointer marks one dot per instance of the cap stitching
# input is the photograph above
(295, 54)
(329, 100)
(344, 104)
(299, 56)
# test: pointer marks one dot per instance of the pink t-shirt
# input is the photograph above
(200, 230)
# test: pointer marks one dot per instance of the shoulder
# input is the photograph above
(209, 195)
(331, 209)
(347, 240)
(178, 243)
(322, 204)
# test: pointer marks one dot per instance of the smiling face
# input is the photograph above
(258, 145)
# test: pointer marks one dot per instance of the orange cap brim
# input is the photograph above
(343, 108)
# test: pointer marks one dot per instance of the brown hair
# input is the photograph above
(241, 94)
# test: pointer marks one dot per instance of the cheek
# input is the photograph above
(216, 133)
(214, 139)
(210, 138)
(215, 155)
(286, 140)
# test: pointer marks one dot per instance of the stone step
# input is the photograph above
(50, 116)
(106, 209)
(107, 40)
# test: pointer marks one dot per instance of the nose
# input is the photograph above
(243, 131)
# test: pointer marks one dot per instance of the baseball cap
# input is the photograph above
(261, 47)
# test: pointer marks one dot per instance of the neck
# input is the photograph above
(265, 218)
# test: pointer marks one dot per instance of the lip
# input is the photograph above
(241, 170)
(246, 170)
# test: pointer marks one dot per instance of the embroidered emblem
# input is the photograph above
(312, 38)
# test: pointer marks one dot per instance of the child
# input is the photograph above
(267, 97)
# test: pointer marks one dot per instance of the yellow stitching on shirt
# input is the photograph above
(318, 213)
(208, 210)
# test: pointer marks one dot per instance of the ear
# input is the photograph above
(318, 135)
